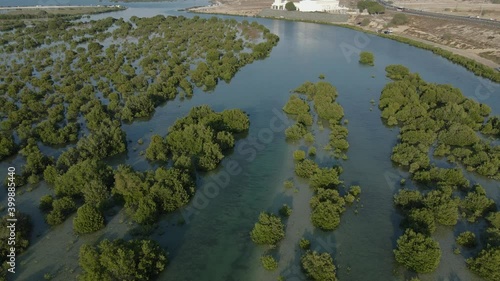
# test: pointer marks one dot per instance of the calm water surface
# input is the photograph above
(214, 244)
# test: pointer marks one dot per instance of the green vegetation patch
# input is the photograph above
(296, 106)
(148, 194)
(196, 142)
(200, 138)
(304, 244)
(485, 264)
(285, 211)
(437, 116)
(367, 58)
(372, 7)
(327, 204)
(437, 120)
(73, 84)
(318, 266)
(122, 260)
(269, 262)
(418, 252)
(399, 19)
(269, 230)
(467, 239)
(494, 220)
(323, 96)
(18, 18)
(424, 211)
(475, 67)
(327, 207)
(289, 6)
(88, 219)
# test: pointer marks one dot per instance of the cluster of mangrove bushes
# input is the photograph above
(7, 25)
(90, 186)
(64, 12)
(122, 260)
(196, 142)
(318, 266)
(67, 78)
(367, 58)
(269, 230)
(323, 95)
(417, 250)
(485, 264)
(71, 85)
(327, 204)
(20, 19)
(438, 120)
(201, 137)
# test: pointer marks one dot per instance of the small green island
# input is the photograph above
(312, 105)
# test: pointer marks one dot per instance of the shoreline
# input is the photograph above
(480, 66)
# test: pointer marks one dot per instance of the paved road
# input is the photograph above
(442, 16)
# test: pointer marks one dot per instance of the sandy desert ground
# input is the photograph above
(472, 40)
(473, 8)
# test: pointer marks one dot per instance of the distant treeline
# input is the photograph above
(437, 121)
(9, 22)
(39, 15)
(42, 14)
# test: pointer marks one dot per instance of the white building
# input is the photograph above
(278, 5)
(312, 6)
